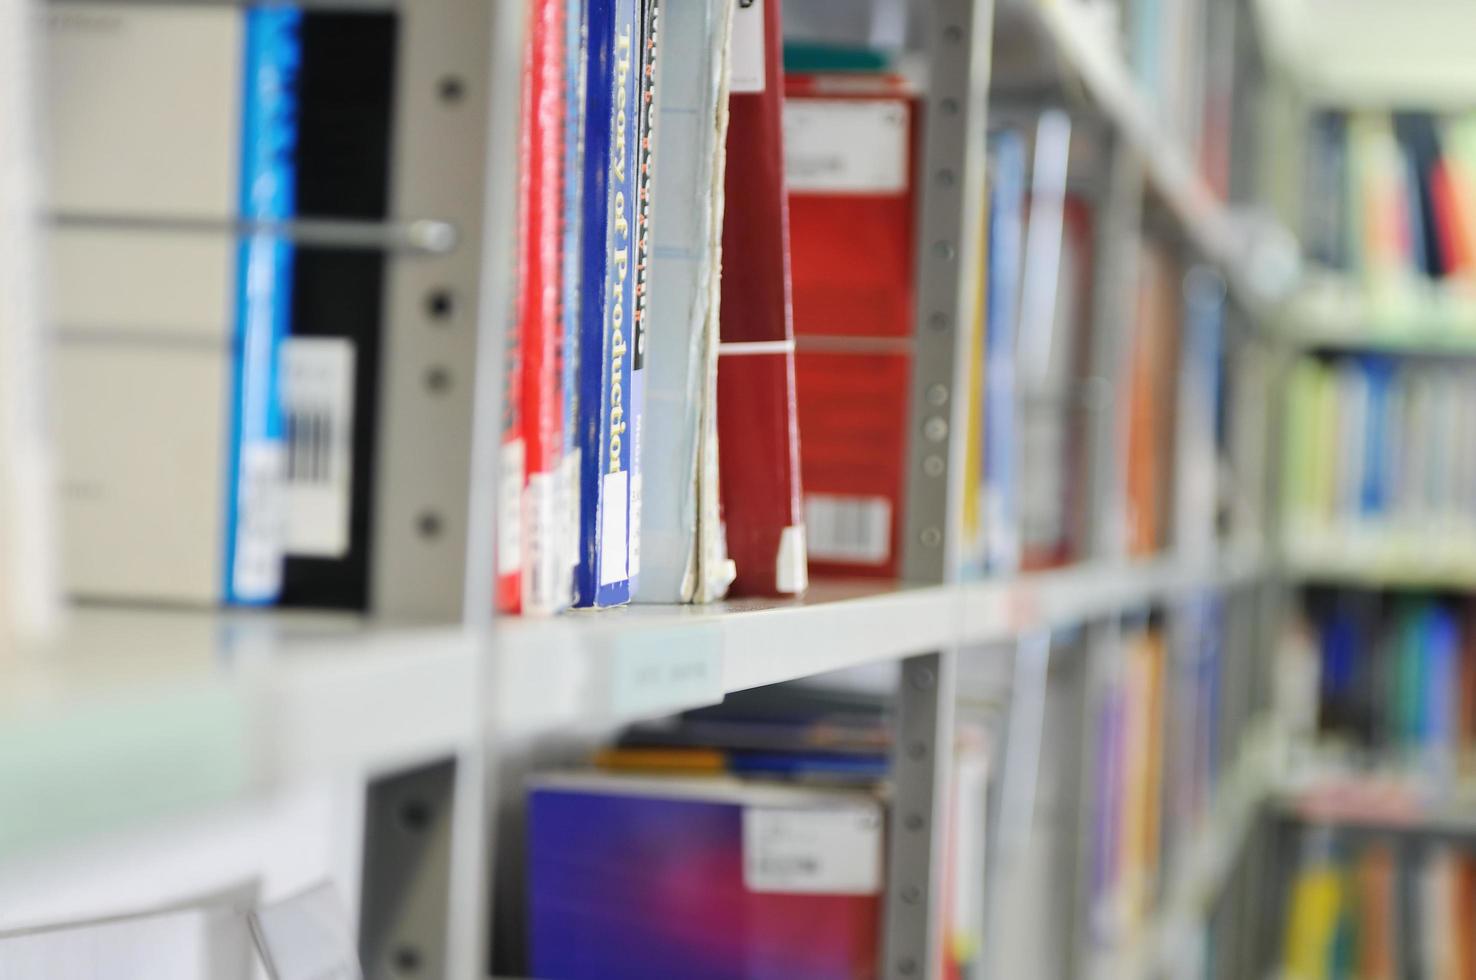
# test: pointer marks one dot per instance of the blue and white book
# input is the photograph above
(256, 507)
(606, 348)
(1006, 234)
(682, 555)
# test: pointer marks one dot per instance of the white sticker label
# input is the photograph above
(655, 673)
(845, 146)
(614, 504)
(318, 401)
(546, 567)
(510, 509)
(746, 56)
(257, 570)
(831, 851)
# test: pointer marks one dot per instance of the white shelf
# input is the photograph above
(1379, 559)
(1332, 314)
(1374, 54)
(131, 715)
(1379, 803)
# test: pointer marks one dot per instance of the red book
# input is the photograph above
(853, 206)
(513, 459)
(546, 577)
(758, 430)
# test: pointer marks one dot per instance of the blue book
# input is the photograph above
(1379, 372)
(255, 509)
(1006, 230)
(573, 267)
(607, 313)
(1441, 678)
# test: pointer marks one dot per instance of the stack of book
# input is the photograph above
(1376, 471)
(751, 833)
(1377, 911)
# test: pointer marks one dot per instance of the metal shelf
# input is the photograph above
(130, 715)
(1331, 314)
(1379, 805)
(1383, 560)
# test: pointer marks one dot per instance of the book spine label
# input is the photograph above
(256, 510)
(645, 173)
(544, 563)
(605, 364)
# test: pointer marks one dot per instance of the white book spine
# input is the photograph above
(27, 579)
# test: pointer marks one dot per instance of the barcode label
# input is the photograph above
(834, 851)
(853, 529)
(318, 402)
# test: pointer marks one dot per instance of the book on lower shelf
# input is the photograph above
(768, 815)
(1373, 909)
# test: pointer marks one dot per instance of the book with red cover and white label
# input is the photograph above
(849, 161)
(545, 566)
(758, 428)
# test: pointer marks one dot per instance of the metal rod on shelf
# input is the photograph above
(422, 236)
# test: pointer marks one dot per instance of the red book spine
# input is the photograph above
(758, 432)
(853, 207)
(545, 570)
(513, 459)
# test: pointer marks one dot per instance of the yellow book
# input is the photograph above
(1312, 923)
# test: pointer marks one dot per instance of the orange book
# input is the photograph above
(1150, 399)
(676, 760)
(1376, 911)
(1463, 917)
(1152, 652)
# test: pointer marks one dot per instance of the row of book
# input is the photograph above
(1373, 444)
(1036, 419)
(1182, 55)
(1397, 676)
(1157, 730)
(1377, 910)
(1390, 201)
(663, 359)
(746, 840)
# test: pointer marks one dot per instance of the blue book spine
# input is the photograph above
(1376, 475)
(608, 308)
(1006, 228)
(573, 266)
(256, 506)
(1441, 678)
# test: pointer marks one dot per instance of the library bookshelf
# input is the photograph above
(224, 708)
